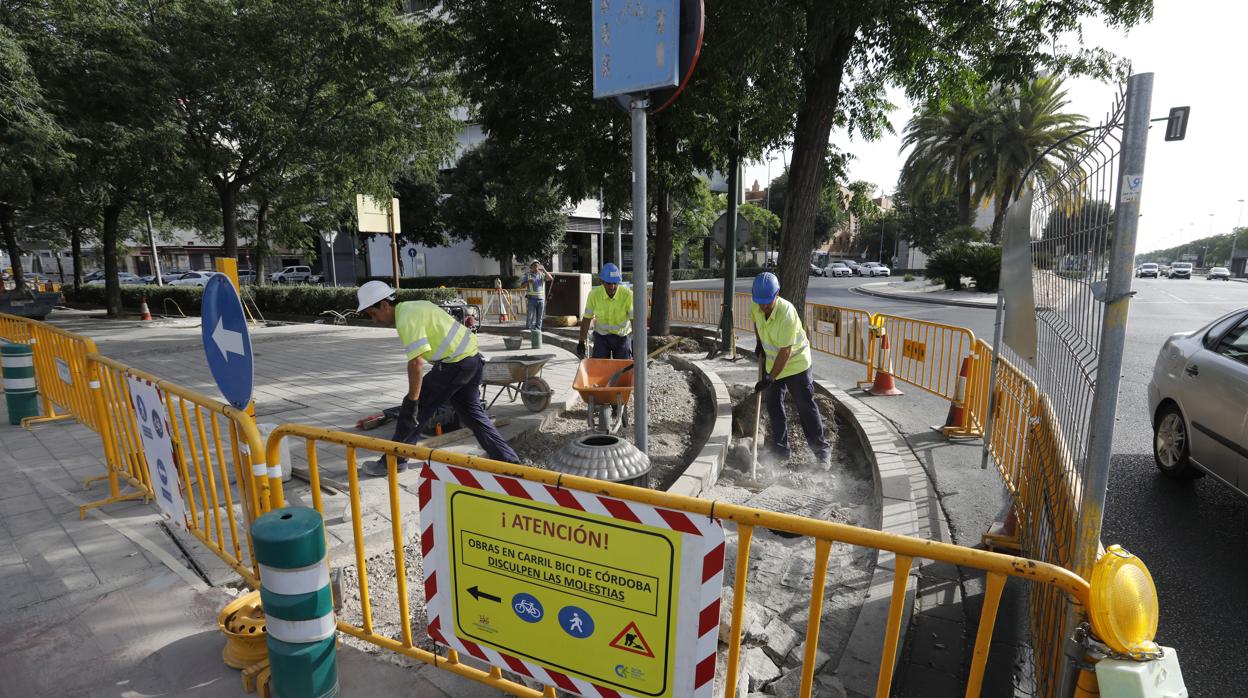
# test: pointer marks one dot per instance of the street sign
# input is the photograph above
(594, 595)
(636, 46)
(329, 236)
(719, 230)
(1176, 123)
(227, 344)
(373, 215)
(153, 423)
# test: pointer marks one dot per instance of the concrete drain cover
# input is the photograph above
(786, 500)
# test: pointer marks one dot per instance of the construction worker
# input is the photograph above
(534, 284)
(430, 334)
(782, 344)
(610, 308)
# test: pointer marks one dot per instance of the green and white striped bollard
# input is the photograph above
(20, 394)
(298, 605)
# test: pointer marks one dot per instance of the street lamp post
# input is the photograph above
(1235, 235)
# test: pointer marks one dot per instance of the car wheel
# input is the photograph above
(1171, 450)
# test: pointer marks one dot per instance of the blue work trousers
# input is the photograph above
(803, 390)
(613, 346)
(537, 309)
(460, 385)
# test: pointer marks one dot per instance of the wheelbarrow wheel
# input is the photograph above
(535, 392)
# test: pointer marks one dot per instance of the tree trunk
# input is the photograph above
(75, 246)
(229, 218)
(660, 311)
(964, 195)
(108, 243)
(262, 240)
(10, 245)
(998, 218)
(60, 268)
(822, 88)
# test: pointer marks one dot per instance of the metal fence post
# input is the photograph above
(641, 287)
(1117, 300)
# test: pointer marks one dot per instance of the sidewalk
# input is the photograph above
(921, 291)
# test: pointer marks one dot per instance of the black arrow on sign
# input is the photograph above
(478, 594)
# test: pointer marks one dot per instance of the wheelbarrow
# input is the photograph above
(518, 376)
(606, 406)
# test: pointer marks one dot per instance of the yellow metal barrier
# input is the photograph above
(927, 355)
(487, 299)
(14, 329)
(60, 370)
(220, 462)
(1058, 582)
(841, 332)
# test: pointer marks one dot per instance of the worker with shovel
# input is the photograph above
(430, 334)
(782, 343)
(610, 308)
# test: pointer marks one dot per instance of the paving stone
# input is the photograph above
(799, 653)
(759, 668)
(781, 639)
(814, 505)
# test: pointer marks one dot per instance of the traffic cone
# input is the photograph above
(953, 426)
(884, 384)
(502, 307)
(147, 314)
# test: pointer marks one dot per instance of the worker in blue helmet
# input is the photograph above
(610, 309)
(785, 351)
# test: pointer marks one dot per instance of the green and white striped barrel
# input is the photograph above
(20, 394)
(298, 605)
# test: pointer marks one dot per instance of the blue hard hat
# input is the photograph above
(766, 288)
(610, 274)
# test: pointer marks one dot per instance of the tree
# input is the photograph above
(1085, 229)
(30, 139)
(941, 138)
(926, 221)
(502, 209)
(268, 89)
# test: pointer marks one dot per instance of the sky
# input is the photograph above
(1195, 52)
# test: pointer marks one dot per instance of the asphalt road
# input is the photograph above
(1192, 535)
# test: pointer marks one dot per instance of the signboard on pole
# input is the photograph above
(153, 423)
(594, 595)
(636, 46)
(373, 215)
(719, 230)
(227, 343)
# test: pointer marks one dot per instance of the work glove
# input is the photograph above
(764, 384)
(580, 350)
(407, 411)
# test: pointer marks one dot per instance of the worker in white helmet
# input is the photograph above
(430, 334)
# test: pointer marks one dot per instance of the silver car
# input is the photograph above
(1198, 399)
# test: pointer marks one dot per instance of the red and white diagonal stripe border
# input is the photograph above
(701, 581)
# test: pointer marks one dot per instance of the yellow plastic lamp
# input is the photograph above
(1124, 602)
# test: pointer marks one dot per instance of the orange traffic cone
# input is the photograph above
(502, 307)
(884, 384)
(954, 425)
(147, 314)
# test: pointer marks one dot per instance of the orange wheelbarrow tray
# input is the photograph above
(591, 381)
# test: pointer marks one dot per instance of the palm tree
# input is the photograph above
(943, 138)
(1025, 134)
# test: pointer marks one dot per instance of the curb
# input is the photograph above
(703, 472)
(897, 475)
(861, 290)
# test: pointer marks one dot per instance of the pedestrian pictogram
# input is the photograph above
(631, 640)
(576, 622)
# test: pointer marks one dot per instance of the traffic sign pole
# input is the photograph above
(641, 289)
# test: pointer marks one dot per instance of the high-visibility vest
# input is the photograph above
(536, 284)
(431, 333)
(782, 329)
(611, 315)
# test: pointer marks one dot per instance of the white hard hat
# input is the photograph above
(372, 293)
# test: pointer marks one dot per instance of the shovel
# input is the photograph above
(615, 377)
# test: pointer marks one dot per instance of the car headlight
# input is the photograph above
(1124, 602)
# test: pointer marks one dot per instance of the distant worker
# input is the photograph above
(534, 285)
(783, 345)
(610, 308)
(430, 334)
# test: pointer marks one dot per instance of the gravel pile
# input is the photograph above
(800, 453)
(384, 601)
(676, 426)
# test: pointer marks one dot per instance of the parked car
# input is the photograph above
(1148, 269)
(93, 276)
(246, 276)
(1219, 273)
(816, 270)
(291, 275)
(193, 278)
(1181, 270)
(837, 270)
(123, 277)
(1196, 400)
(873, 269)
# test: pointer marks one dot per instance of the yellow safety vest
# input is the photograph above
(536, 284)
(611, 315)
(430, 332)
(782, 329)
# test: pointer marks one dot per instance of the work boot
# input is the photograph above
(378, 468)
(825, 460)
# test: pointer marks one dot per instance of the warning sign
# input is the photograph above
(630, 639)
(914, 350)
(579, 590)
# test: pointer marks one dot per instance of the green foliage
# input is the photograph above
(1216, 250)
(764, 224)
(979, 261)
(486, 281)
(1087, 229)
(908, 277)
(299, 300)
(945, 265)
(983, 264)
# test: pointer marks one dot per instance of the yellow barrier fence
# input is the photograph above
(841, 332)
(60, 369)
(494, 302)
(927, 355)
(1058, 582)
(220, 462)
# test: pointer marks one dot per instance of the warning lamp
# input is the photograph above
(1124, 602)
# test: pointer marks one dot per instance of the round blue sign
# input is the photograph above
(527, 607)
(227, 343)
(576, 622)
(412, 252)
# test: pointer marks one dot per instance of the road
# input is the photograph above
(1192, 535)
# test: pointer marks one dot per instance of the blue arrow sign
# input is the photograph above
(412, 252)
(226, 341)
(636, 46)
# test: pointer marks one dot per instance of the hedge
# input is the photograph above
(449, 281)
(303, 300)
